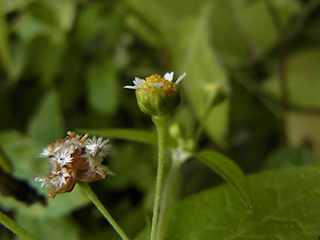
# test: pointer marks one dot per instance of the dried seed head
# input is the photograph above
(73, 159)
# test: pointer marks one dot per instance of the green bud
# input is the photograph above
(190, 145)
(217, 92)
(156, 102)
(157, 95)
(177, 131)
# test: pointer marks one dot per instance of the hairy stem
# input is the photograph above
(167, 191)
(161, 123)
(95, 200)
(13, 227)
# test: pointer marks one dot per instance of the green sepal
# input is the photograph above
(157, 102)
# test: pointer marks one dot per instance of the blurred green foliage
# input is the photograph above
(63, 65)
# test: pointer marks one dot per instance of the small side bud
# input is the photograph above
(218, 92)
(177, 131)
(190, 145)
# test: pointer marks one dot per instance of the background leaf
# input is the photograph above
(130, 134)
(102, 86)
(195, 44)
(5, 51)
(303, 78)
(303, 90)
(286, 207)
(229, 171)
(47, 123)
(7, 6)
(5, 163)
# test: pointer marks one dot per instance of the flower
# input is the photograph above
(155, 81)
(157, 95)
(95, 145)
(62, 156)
(74, 159)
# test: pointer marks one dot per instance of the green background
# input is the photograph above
(63, 65)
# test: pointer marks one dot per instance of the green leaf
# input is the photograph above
(51, 229)
(5, 52)
(142, 30)
(23, 153)
(7, 6)
(47, 122)
(59, 14)
(286, 207)
(142, 177)
(194, 45)
(129, 134)
(287, 10)
(289, 156)
(103, 87)
(228, 170)
(61, 205)
(257, 27)
(5, 163)
(122, 133)
(64, 11)
(143, 235)
(226, 39)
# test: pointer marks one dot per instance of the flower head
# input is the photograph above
(97, 145)
(157, 95)
(74, 159)
(156, 81)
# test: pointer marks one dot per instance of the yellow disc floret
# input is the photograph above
(167, 88)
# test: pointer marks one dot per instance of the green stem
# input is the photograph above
(204, 118)
(202, 124)
(12, 226)
(161, 123)
(95, 200)
(167, 192)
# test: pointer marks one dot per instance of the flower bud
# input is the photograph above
(177, 131)
(218, 93)
(157, 96)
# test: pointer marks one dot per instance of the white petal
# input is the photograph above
(63, 156)
(46, 152)
(139, 80)
(169, 76)
(180, 78)
(137, 83)
(62, 181)
(43, 181)
(130, 87)
(95, 145)
(156, 85)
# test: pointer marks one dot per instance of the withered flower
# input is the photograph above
(74, 159)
